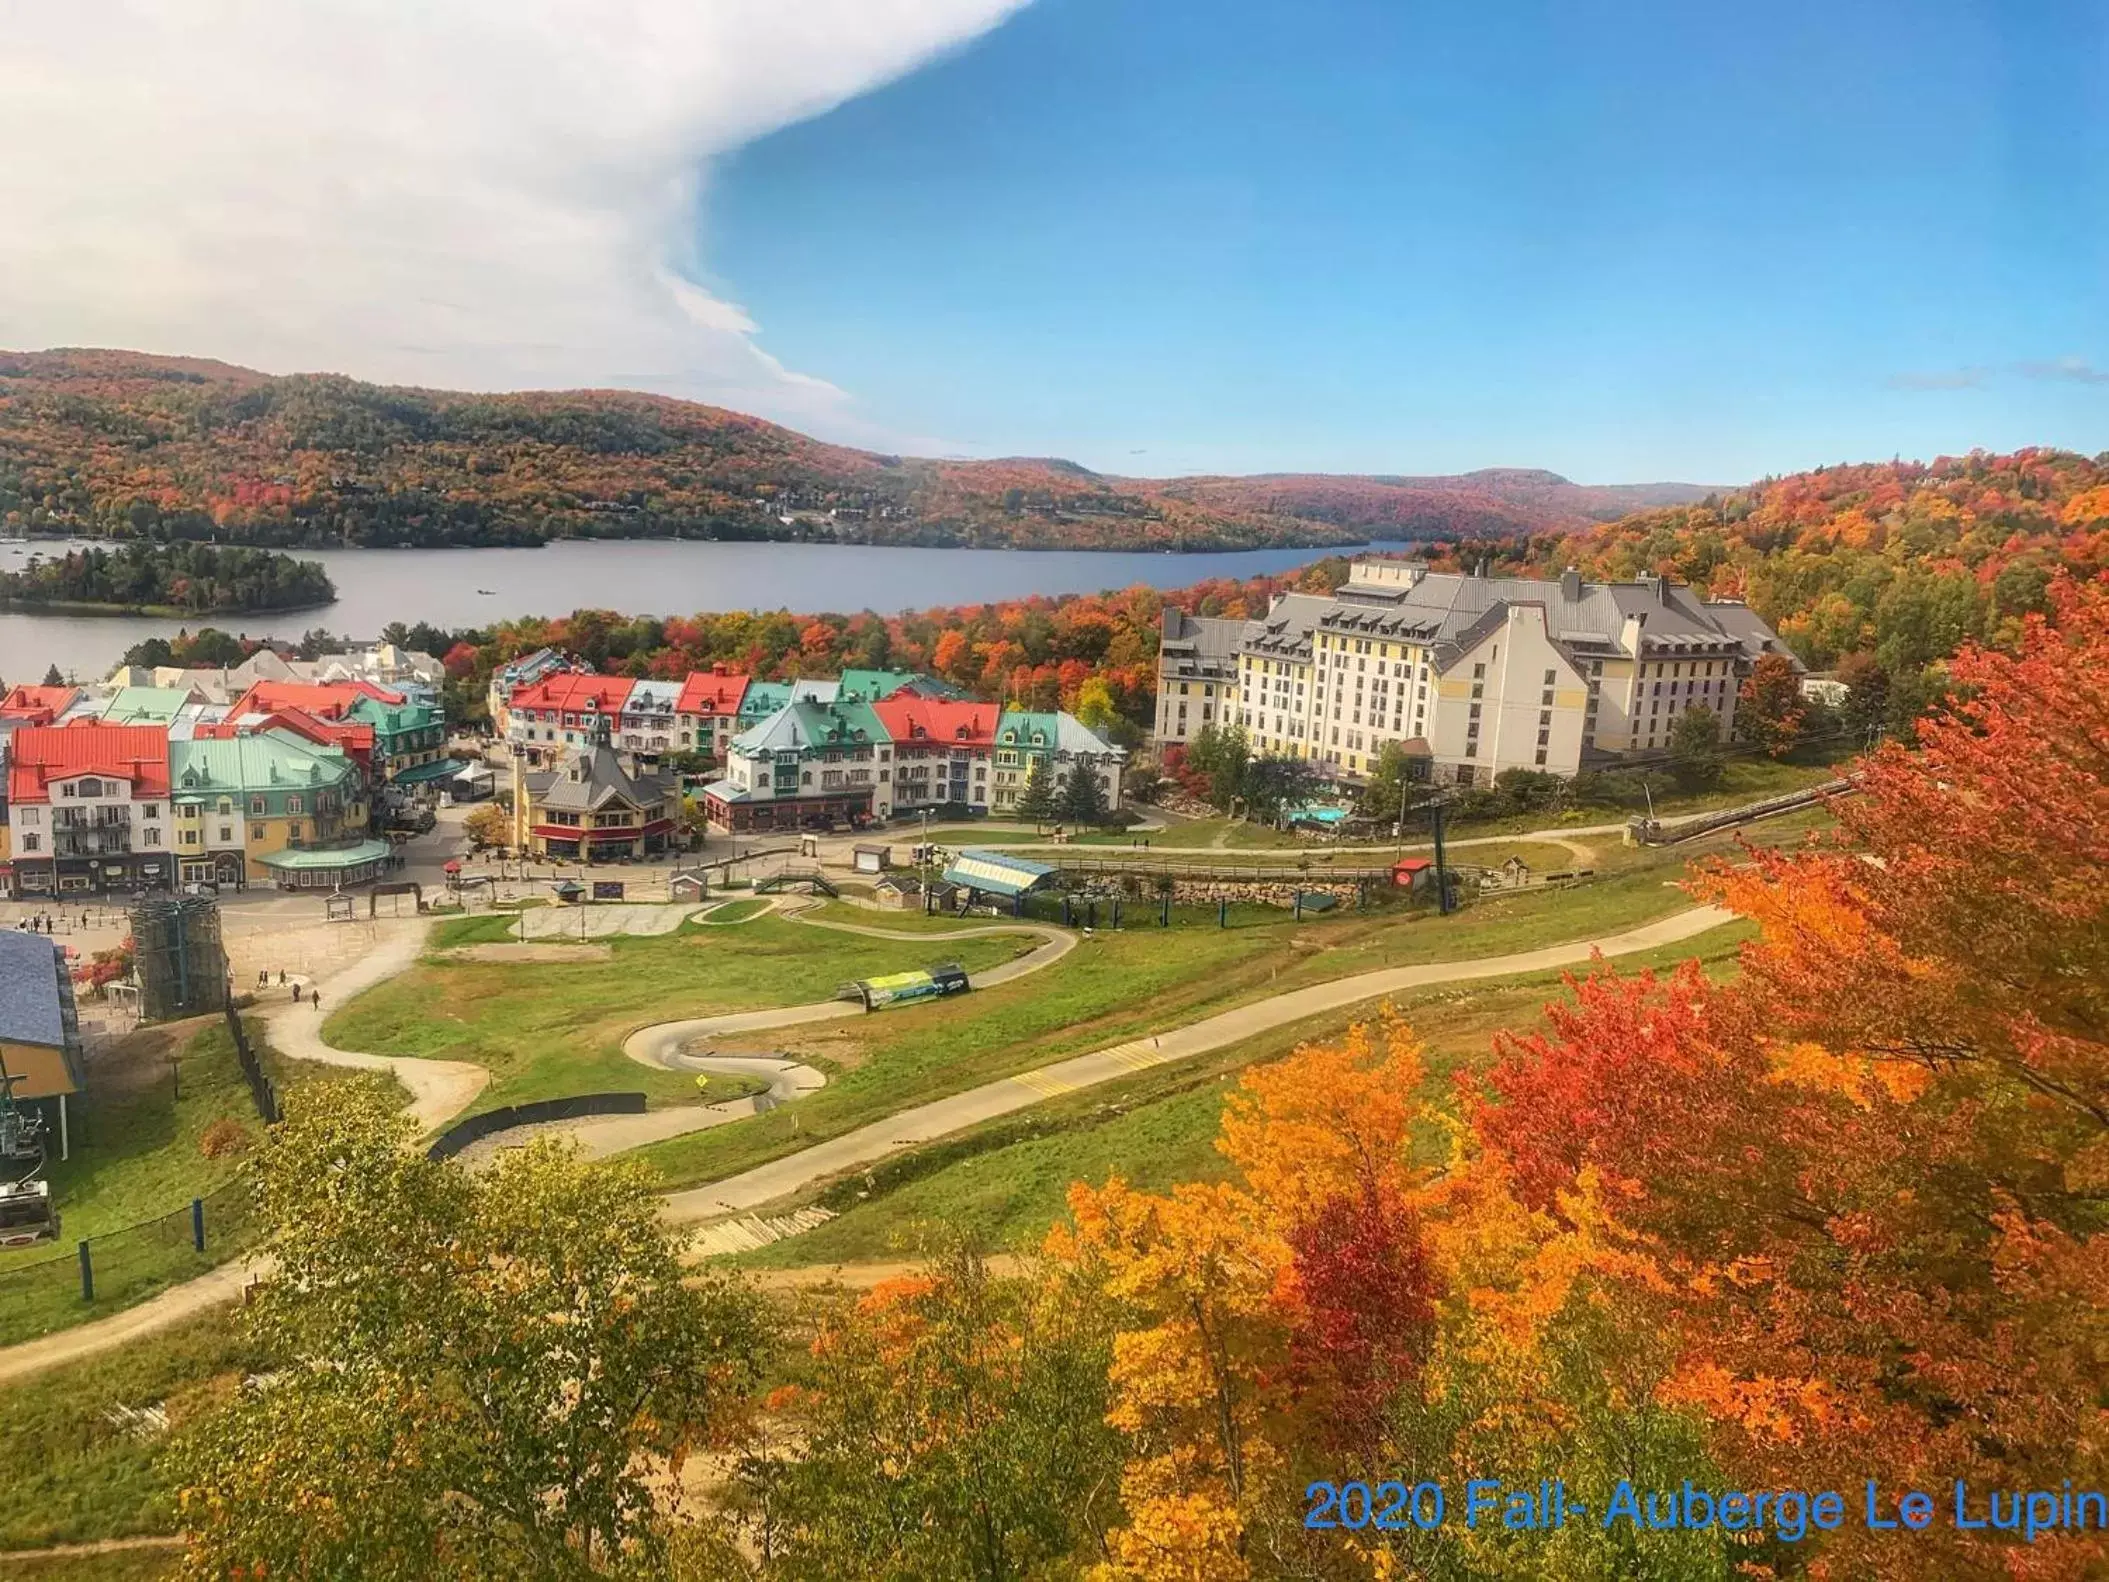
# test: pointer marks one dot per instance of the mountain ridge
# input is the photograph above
(125, 443)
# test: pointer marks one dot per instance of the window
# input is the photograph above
(226, 832)
(152, 837)
(293, 804)
(32, 843)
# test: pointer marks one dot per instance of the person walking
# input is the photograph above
(296, 993)
(315, 995)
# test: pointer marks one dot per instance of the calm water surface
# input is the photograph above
(448, 587)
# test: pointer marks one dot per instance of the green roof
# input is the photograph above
(438, 769)
(872, 685)
(393, 717)
(325, 859)
(145, 705)
(264, 761)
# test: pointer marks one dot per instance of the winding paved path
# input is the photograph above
(665, 1045)
(440, 1089)
(926, 1122)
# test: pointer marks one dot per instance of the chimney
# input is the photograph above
(1571, 585)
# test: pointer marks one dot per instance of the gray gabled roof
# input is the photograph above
(31, 1010)
(592, 777)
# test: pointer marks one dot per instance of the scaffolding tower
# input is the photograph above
(181, 963)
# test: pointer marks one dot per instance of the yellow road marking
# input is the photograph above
(1047, 1087)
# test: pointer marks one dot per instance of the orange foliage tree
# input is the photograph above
(1872, 1177)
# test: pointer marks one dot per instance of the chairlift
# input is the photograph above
(26, 1214)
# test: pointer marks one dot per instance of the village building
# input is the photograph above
(707, 711)
(1197, 673)
(38, 705)
(1065, 743)
(1474, 675)
(40, 1035)
(594, 805)
(510, 677)
(648, 722)
(764, 698)
(89, 809)
(943, 751)
(270, 808)
(564, 710)
(805, 765)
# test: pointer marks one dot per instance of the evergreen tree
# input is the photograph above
(52, 678)
(1083, 797)
(1040, 801)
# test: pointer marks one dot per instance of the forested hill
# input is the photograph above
(187, 579)
(124, 443)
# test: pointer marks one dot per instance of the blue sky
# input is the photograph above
(1625, 241)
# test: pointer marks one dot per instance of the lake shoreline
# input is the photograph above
(75, 540)
(150, 612)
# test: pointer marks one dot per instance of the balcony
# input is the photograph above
(87, 841)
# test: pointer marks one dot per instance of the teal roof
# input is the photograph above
(1025, 728)
(145, 705)
(438, 769)
(325, 859)
(872, 685)
(804, 727)
(996, 872)
(265, 761)
(393, 717)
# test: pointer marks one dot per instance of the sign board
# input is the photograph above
(607, 889)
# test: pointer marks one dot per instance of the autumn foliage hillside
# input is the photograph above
(1901, 560)
(120, 442)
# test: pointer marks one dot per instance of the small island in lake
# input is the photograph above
(176, 580)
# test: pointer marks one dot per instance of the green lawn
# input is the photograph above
(549, 1029)
(76, 1476)
(138, 1160)
(739, 911)
(1004, 1183)
(1122, 985)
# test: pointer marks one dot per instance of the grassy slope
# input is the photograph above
(73, 1476)
(552, 1028)
(1004, 1183)
(137, 1162)
(1120, 986)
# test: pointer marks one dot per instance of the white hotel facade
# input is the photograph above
(1474, 674)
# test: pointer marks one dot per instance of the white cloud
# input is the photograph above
(484, 194)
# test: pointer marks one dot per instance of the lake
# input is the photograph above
(635, 576)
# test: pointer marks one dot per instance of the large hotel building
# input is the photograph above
(1474, 674)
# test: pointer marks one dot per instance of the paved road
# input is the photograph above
(926, 1122)
(439, 1089)
(781, 1177)
(666, 1045)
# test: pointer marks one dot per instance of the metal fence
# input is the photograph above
(86, 1278)
(260, 1087)
(477, 1127)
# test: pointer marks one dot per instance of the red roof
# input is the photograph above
(573, 693)
(714, 691)
(39, 705)
(40, 754)
(324, 699)
(354, 736)
(909, 718)
(1411, 865)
